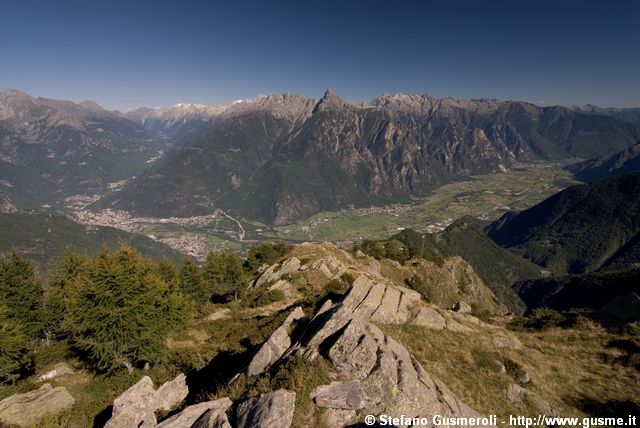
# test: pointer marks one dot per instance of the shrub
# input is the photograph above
(262, 297)
(336, 287)
(268, 252)
(514, 369)
(542, 319)
(418, 283)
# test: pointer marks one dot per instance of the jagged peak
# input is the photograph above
(91, 105)
(10, 92)
(329, 100)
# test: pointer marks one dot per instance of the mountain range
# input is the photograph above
(50, 149)
(285, 157)
(280, 158)
(623, 162)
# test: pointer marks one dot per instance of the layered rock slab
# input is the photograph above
(25, 410)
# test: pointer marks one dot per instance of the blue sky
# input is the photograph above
(153, 52)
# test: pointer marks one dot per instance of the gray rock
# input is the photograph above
(339, 418)
(506, 342)
(456, 327)
(540, 404)
(391, 380)
(134, 407)
(379, 302)
(220, 314)
(430, 318)
(339, 395)
(523, 379)
(275, 346)
(211, 419)
(276, 271)
(169, 395)
(25, 410)
(462, 307)
(271, 410)
(137, 405)
(60, 369)
(516, 393)
(216, 411)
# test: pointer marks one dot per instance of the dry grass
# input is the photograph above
(573, 369)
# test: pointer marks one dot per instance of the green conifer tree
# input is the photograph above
(121, 311)
(21, 294)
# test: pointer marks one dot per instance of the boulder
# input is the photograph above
(271, 410)
(134, 407)
(207, 414)
(25, 410)
(506, 342)
(275, 346)
(516, 393)
(430, 318)
(60, 369)
(169, 395)
(456, 327)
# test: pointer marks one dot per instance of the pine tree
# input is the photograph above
(121, 311)
(16, 356)
(62, 278)
(21, 294)
(224, 275)
(192, 281)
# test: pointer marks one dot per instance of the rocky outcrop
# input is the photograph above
(171, 393)
(517, 394)
(25, 410)
(380, 302)
(430, 318)
(136, 406)
(275, 346)
(339, 395)
(383, 376)
(277, 271)
(208, 414)
(272, 410)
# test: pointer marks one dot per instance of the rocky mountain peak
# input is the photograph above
(330, 100)
(91, 106)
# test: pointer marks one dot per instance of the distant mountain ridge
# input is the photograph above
(52, 148)
(624, 162)
(281, 158)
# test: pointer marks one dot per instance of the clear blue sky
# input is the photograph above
(133, 53)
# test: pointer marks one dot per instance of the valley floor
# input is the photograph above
(485, 197)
